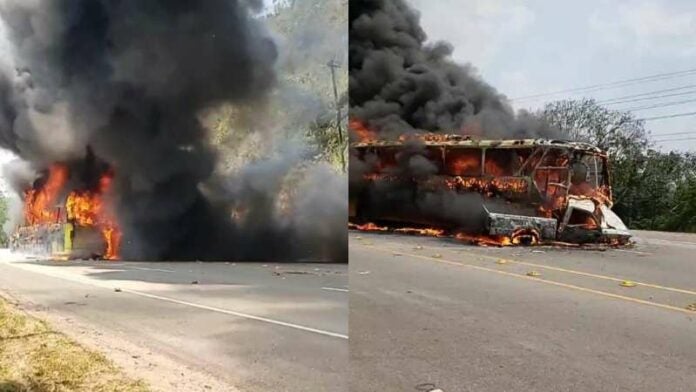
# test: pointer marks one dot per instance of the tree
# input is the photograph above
(3, 219)
(314, 36)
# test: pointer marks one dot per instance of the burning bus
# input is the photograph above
(522, 191)
(65, 213)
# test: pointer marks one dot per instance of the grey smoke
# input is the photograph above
(399, 84)
(129, 78)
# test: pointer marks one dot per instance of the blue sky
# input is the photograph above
(534, 46)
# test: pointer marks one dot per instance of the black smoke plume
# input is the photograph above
(129, 79)
(399, 84)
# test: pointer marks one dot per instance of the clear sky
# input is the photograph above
(537, 46)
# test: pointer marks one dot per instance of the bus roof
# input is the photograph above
(468, 141)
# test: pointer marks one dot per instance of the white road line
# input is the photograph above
(334, 289)
(633, 251)
(84, 280)
(238, 314)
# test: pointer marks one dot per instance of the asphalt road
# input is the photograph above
(431, 313)
(257, 327)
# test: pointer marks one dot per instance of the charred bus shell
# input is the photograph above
(528, 190)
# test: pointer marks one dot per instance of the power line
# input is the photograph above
(647, 93)
(666, 116)
(620, 83)
(674, 140)
(660, 105)
(675, 133)
(647, 98)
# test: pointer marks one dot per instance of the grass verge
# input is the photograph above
(34, 357)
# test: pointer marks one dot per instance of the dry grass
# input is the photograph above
(33, 357)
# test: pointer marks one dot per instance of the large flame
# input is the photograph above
(361, 131)
(39, 204)
(87, 208)
(519, 237)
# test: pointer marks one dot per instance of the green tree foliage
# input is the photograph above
(314, 34)
(303, 107)
(653, 190)
(3, 220)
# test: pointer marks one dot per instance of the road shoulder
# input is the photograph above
(135, 359)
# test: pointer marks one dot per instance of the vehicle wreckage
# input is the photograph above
(64, 222)
(527, 190)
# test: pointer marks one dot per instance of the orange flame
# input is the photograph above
(484, 240)
(86, 208)
(39, 203)
(430, 232)
(364, 134)
(465, 164)
(367, 227)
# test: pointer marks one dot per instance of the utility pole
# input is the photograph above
(333, 65)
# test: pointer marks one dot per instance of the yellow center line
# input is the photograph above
(581, 273)
(541, 280)
(588, 274)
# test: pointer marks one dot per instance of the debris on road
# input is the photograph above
(627, 283)
(691, 307)
(194, 282)
(501, 261)
(117, 289)
(534, 273)
(428, 387)
(419, 247)
(437, 256)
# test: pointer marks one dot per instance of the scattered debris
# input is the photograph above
(194, 282)
(300, 272)
(437, 256)
(627, 283)
(357, 237)
(363, 272)
(534, 273)
(501, 261)
(396, 254)
(428, 387)
(538, 251)
(691, 307)
(117, 289)
(419, 247)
